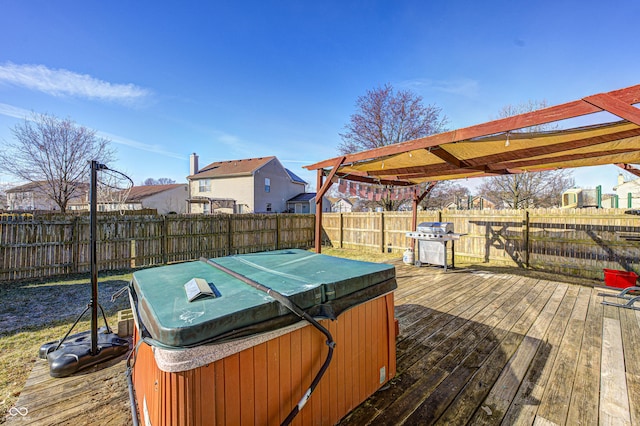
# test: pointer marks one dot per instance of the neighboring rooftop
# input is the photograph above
(304, 196)
(143, 191)
(31, 186)
(243, 167)
(295, 177)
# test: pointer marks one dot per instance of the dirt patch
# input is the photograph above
(30, 306)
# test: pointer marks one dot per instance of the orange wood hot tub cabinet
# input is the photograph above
(260, 385)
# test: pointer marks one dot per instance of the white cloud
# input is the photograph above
(23, 114)
(13, 111)
(62, 82)
(156, 149)
(464, 86)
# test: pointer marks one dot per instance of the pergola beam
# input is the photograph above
(608, 103)
(447, 157)
(629, 168)
(626, 96)
(496, 161)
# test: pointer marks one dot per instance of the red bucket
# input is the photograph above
(619, 279)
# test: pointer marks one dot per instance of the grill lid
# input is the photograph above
(435, 227)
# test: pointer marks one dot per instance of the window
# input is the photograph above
(267, 185)
(204, 185)
(206, 208)
(269, 207)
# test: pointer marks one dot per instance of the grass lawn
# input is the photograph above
(33, 313)
(361, 255)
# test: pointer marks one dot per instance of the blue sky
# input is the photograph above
(240, 79)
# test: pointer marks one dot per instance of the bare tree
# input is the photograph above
(444, 194)
(55, 154)
(160, 181)
(385, 117)
(534, 189)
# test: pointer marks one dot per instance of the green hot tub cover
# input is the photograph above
(323, 286)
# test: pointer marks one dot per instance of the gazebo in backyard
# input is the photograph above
(495, 148)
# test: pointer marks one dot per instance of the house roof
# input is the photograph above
(218, 169)
(295, 177)
(344, 199)
(141, 192)
(27, 187)
(629, 183)
(501, 147)
(303, 197)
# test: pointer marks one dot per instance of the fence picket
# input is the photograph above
(580, 242)
(58, 246)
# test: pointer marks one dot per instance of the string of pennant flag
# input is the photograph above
(373, 192)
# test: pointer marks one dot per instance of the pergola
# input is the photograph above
(496, 148)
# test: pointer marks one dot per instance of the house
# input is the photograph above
(171, 198)
(252, 185)
(165, 199)
(35, 196)
(306, 203)
(341, 205)
(589, 197)
(628, 193)
(471, 203)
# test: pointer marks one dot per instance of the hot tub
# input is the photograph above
(237, 356)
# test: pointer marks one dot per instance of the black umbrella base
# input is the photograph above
(75, 352)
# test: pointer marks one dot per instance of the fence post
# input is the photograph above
(132, 262)
(229, 234)
(278, 231)
(75, 244)
(525, 236)
(382, 232)
(341, 225)
(165, 240)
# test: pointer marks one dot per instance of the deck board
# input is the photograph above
(474, 348)
(483, 348)
(97, 396)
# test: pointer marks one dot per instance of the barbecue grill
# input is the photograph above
(432, 238)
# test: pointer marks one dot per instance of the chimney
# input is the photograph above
(193, 164)
(620, 179)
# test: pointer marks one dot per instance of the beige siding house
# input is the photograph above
(165, 199)
(171, 198)
(341, 205)
(628, 193)
(252, 185)
(35, 196)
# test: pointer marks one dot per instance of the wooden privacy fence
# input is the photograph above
(59, 246)
(578, 242)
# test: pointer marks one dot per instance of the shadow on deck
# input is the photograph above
(478, 347)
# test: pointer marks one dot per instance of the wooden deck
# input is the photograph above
(474, 348)
(481, 348)
(95, 396)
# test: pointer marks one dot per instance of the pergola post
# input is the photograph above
(321, 190)
(417, 199)
(318, 234)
